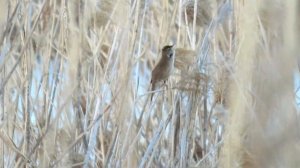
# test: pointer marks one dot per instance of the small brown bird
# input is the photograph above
(164, 68)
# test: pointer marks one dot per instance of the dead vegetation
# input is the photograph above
(75, 75)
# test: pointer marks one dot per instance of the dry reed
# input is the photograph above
(74, 79)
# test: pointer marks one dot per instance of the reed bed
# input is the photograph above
(75, 79)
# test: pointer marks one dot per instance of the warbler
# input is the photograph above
(164, 67)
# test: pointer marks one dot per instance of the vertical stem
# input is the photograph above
(205, 123)
(2, 116)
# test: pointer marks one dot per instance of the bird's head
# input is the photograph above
(168, 51)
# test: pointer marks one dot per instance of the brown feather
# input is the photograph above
(164, 68)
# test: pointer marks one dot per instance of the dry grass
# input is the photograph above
(74, 79)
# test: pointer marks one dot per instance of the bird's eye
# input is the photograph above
(170, 55)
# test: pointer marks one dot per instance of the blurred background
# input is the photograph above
(75, 78)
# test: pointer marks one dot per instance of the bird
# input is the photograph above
(164, 67)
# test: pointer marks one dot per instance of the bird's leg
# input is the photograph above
(165, 84)
(152, 89)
